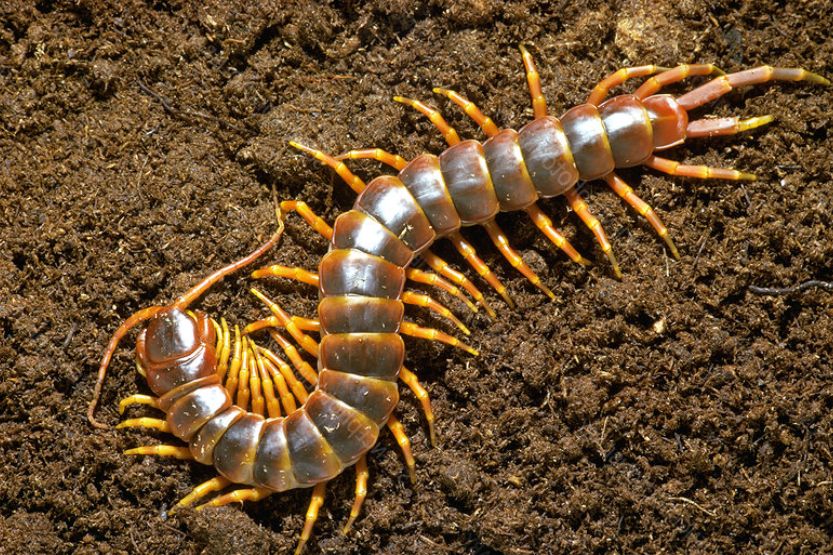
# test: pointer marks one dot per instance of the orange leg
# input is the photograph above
(315, 504)
(418, 299)
(261, 385)
(544, 223)
(239, 360)
(701, 172)
(413, 330)
(274, 363)
(468, 252)
(580, 207)
(353, 181)
(209, 486)
(719, 86)
(430, 278)
(444, 269)
(223, 347)
(502, 243)
(600, 91)
(717, 127)
(471, 110)
(626, 192)
(533, 80)
(361, 492)
(449, 134)
(393, 160)
(307, 372)
(244, 392)
(410, 379)
(316, 222)
(138, 400)
(656, 83)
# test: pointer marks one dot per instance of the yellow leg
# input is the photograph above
(287, 397)
(138, 400)
(654, 84)
(444, 269)
(256, 386)
(501, 241)
(393, 160)
(304, 340)
(624, 190)
(274, 362)
(449, 134)
(410, 379)
(543, 222)
(533, 80)
(398, 431)
(312, 515)
(244, 393)
(223, 347)
(361, 492)
(303, 367)
(470, 108)
(298, 274)
(430, 278)
(701, 172)
(409, 328)
(467, 251)
(353, 181)
(210, 486)
(418, 299)
(153, 423)
(238, 496)
(177, 452)
(233, 376)
(580, 207)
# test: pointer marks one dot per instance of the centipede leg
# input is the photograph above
(533, 81)
(209, 486)
(418, 299)
(470, 108)
(580, 207)
(719, 86)
(449, 133)
(257, 386)
(145, 422)
(304, 340)
(361, 493)
(502, 243)
(718, 127)
(413, 330)
(467, 251)
(600, 91)
(138, 400)
(544, 223)
(393, 160)
(410, 379)
(644, 209)
(315, 504)
(303, 367)
(223, 347)
(237, 496)
(238, 359)
(398, 431)
(701, 172)
(175, 451)
(430, 278)
(675, 75)
(284, 381)
(274, 362)
(352, 180)
(294, 273)
(444, 269)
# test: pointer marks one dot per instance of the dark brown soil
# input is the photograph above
(672, 411)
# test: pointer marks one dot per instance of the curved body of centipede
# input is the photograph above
(362, 279)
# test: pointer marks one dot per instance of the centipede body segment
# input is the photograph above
(240, 408)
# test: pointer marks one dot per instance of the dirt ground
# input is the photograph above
(672, 411)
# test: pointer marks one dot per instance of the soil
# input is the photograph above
(671, 411)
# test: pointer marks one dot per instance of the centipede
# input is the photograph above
(267, 425)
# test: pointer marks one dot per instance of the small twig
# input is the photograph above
(826, 285)
(694, 504)
(183, 113)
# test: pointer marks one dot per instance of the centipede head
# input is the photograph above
(175, 348)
